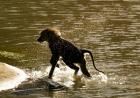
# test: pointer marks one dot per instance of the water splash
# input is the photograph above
(65, 75)
(36, 74)
(103, 77)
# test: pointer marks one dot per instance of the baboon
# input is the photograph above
(62, 48)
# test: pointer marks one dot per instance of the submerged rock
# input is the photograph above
(38, 85)
(51, 85)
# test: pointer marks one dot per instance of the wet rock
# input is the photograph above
(10, 76)
(38, 85)
(51, 85)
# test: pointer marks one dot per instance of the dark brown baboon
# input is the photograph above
(70, 54)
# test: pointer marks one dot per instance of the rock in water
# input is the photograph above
(37, 85)
(51, 85)
(10, 76)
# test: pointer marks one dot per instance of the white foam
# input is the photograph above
(36, 74)
(63, 75)
(14, 81)
(103, 77)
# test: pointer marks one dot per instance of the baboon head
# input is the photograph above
(49, 35)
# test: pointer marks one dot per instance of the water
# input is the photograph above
(110, 29)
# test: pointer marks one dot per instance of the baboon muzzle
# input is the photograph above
(39, 40)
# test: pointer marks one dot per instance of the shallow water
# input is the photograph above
(110, 29)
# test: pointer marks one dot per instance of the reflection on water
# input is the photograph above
(110, 29)
(11, 55)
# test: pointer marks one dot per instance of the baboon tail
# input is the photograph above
(87, 51)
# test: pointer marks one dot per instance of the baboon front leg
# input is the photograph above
(53, 61)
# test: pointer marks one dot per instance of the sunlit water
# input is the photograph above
(110, 29)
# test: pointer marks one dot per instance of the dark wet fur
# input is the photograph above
(60, 47)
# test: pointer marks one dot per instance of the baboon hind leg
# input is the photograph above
(84, 69)
(72, 66)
